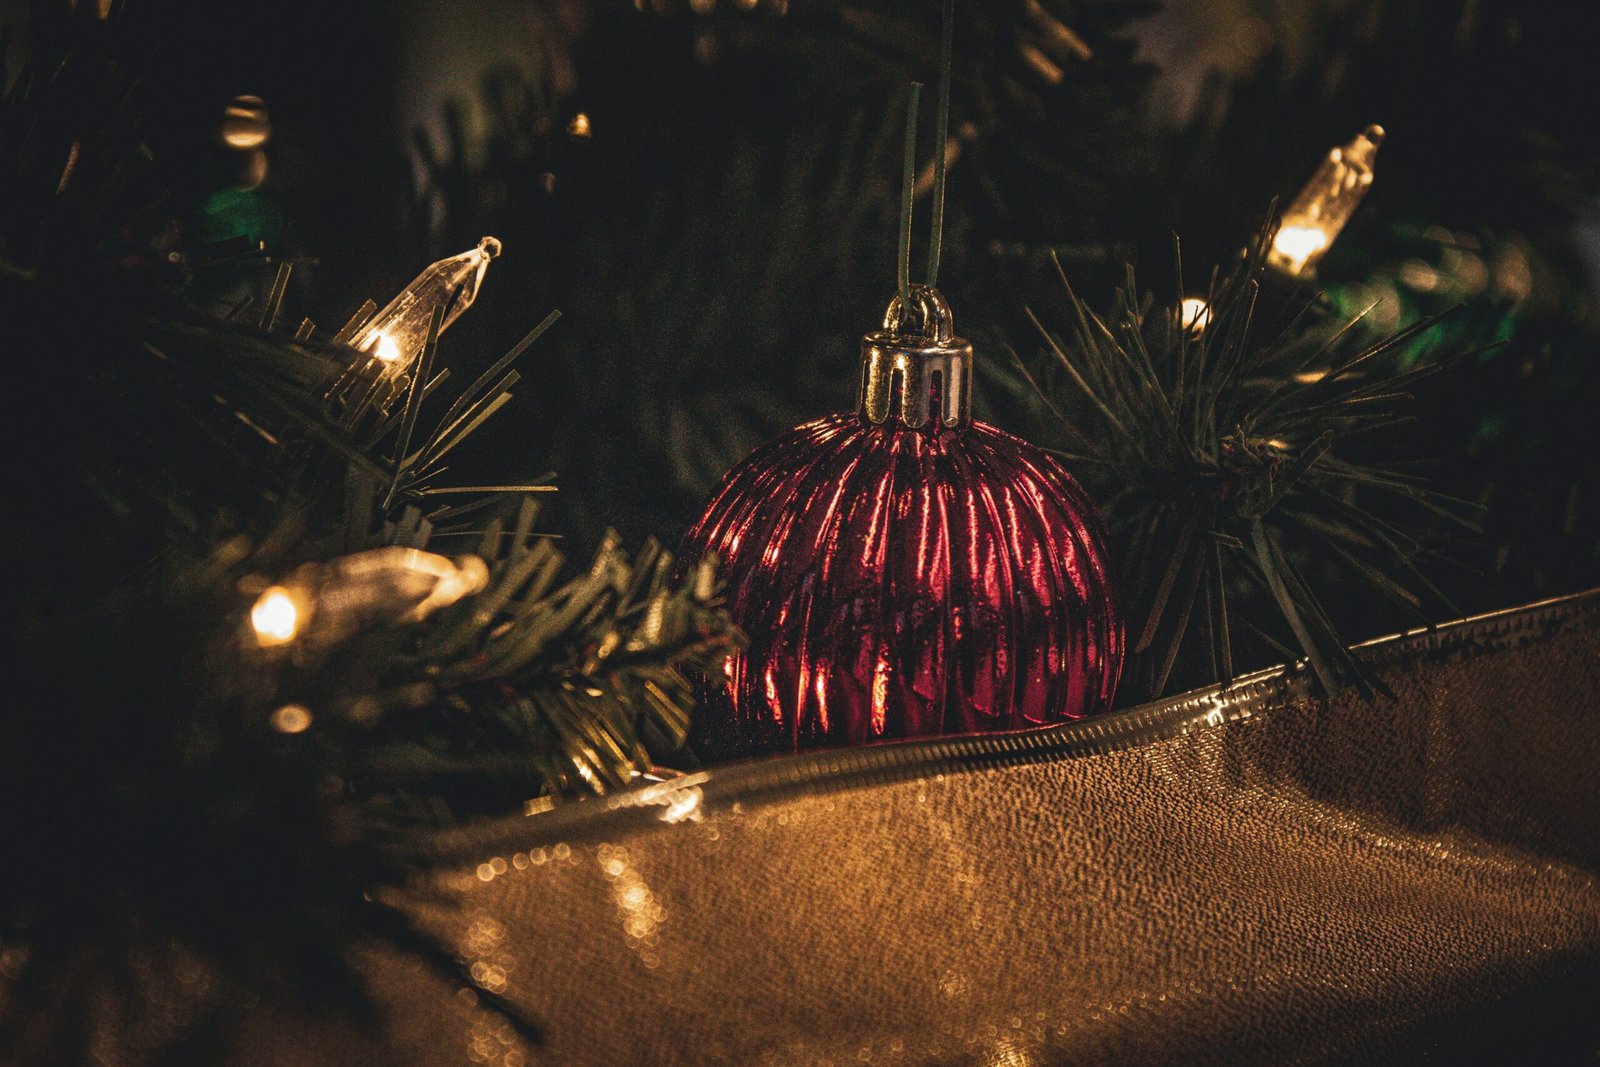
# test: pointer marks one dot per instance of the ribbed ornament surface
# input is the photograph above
(898, 582)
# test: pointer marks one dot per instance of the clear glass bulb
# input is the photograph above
(1313, 220)
(396, 334)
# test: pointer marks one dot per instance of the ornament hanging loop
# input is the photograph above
(927, 315)
(916, 368)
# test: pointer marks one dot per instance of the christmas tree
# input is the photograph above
(314, 584)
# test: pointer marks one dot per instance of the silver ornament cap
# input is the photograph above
(915, 368)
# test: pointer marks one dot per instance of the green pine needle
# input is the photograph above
(1230, 449)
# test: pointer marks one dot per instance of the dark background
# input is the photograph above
(725, 233)
(718, 232)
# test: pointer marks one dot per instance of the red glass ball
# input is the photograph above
(899, 582)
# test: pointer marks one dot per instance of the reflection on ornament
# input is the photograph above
(275, 617)
(1194, 315)
(1313, 220)
(905, 570)
(396, 334)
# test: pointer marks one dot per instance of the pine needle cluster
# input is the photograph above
(1229, 444)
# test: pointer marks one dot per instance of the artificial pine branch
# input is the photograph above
(228, 805)
(1230, 451)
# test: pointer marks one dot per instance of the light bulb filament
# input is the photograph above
(386, 348)
(397, 333)
(1295, 245)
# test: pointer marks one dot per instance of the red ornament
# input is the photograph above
(904, 570)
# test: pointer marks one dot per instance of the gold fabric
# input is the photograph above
(1240, 876)
(1280, 880)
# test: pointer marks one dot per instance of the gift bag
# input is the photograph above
(1243, 874)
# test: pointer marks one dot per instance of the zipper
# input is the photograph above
(738, 788)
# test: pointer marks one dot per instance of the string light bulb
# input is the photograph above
(275, 617)
(1314, 218)
(387, 585)
(396, 334)
(1194, 315)
(404, 582)
(291, 719)
(387, 349)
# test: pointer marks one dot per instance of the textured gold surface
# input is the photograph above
(1243, 877)
(1314, 883)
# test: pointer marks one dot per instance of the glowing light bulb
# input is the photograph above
(386, 348)
(462, 578)
(1314, 218)
(1293, 246)
(245, 124)
(291, 719)
(406, 582)
(396, 334)
(275, 617)
(1194, 315)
